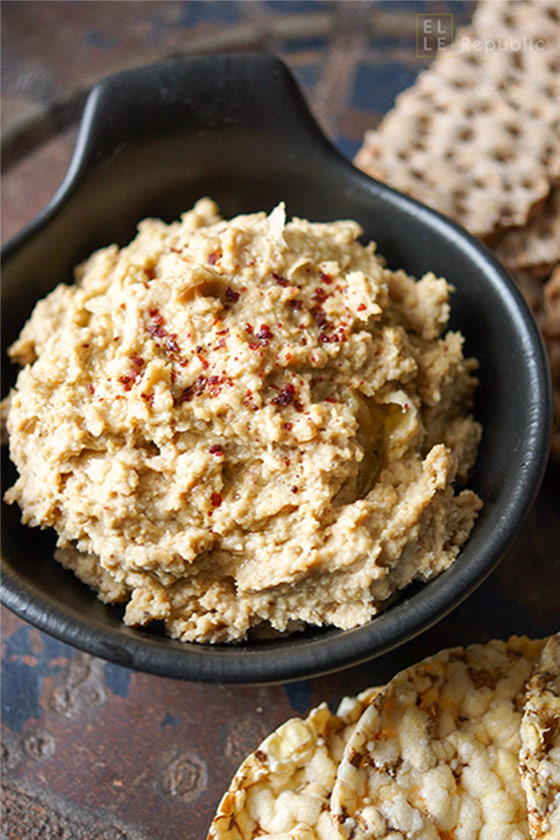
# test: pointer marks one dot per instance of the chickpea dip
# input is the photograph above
(247, 426)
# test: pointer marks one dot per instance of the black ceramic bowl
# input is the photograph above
(235, 127)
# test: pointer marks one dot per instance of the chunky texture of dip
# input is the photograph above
(241, 423)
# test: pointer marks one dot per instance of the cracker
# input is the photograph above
(436, 753)
(532, 289)
(539, 757)
(550, 325)
(555, 438)
(543, 298)
(477, 135)
(534, 20)
(536, 246)
(283, 788)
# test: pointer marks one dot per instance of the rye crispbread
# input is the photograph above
(539, 757)
(536, 246)
(544, 301)
(477, 137)
(436, 753)
(550, 327)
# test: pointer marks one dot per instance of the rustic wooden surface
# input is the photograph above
(92, 750)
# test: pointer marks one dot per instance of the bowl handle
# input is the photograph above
(249, 100)
(200, 94)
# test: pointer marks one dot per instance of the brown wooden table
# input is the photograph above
(92, 750)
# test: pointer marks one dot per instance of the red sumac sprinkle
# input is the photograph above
(319, 294)
(320, 316)
(171, 344)
(200, 384)
(231, 295)
(286, 395)
(155, 328)
(216, 499)
(264, 333)
(127, 381)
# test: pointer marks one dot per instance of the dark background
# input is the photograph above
(92, 750)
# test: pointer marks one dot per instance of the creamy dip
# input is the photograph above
(245, 424)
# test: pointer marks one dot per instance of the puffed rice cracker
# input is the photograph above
(539, 757)
(436, 754)
(282, 790)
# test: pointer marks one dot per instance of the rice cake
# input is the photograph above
(436, 753)
(539, 758)
(282, 790)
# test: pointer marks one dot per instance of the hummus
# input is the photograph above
(245, 424)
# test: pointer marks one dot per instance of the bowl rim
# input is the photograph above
(284, 660)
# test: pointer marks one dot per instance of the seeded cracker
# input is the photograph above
(436, 753)
(530, 20)
(539, 758)
(550, 326)
(477, 137)
(283, 788)
(536, 246)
